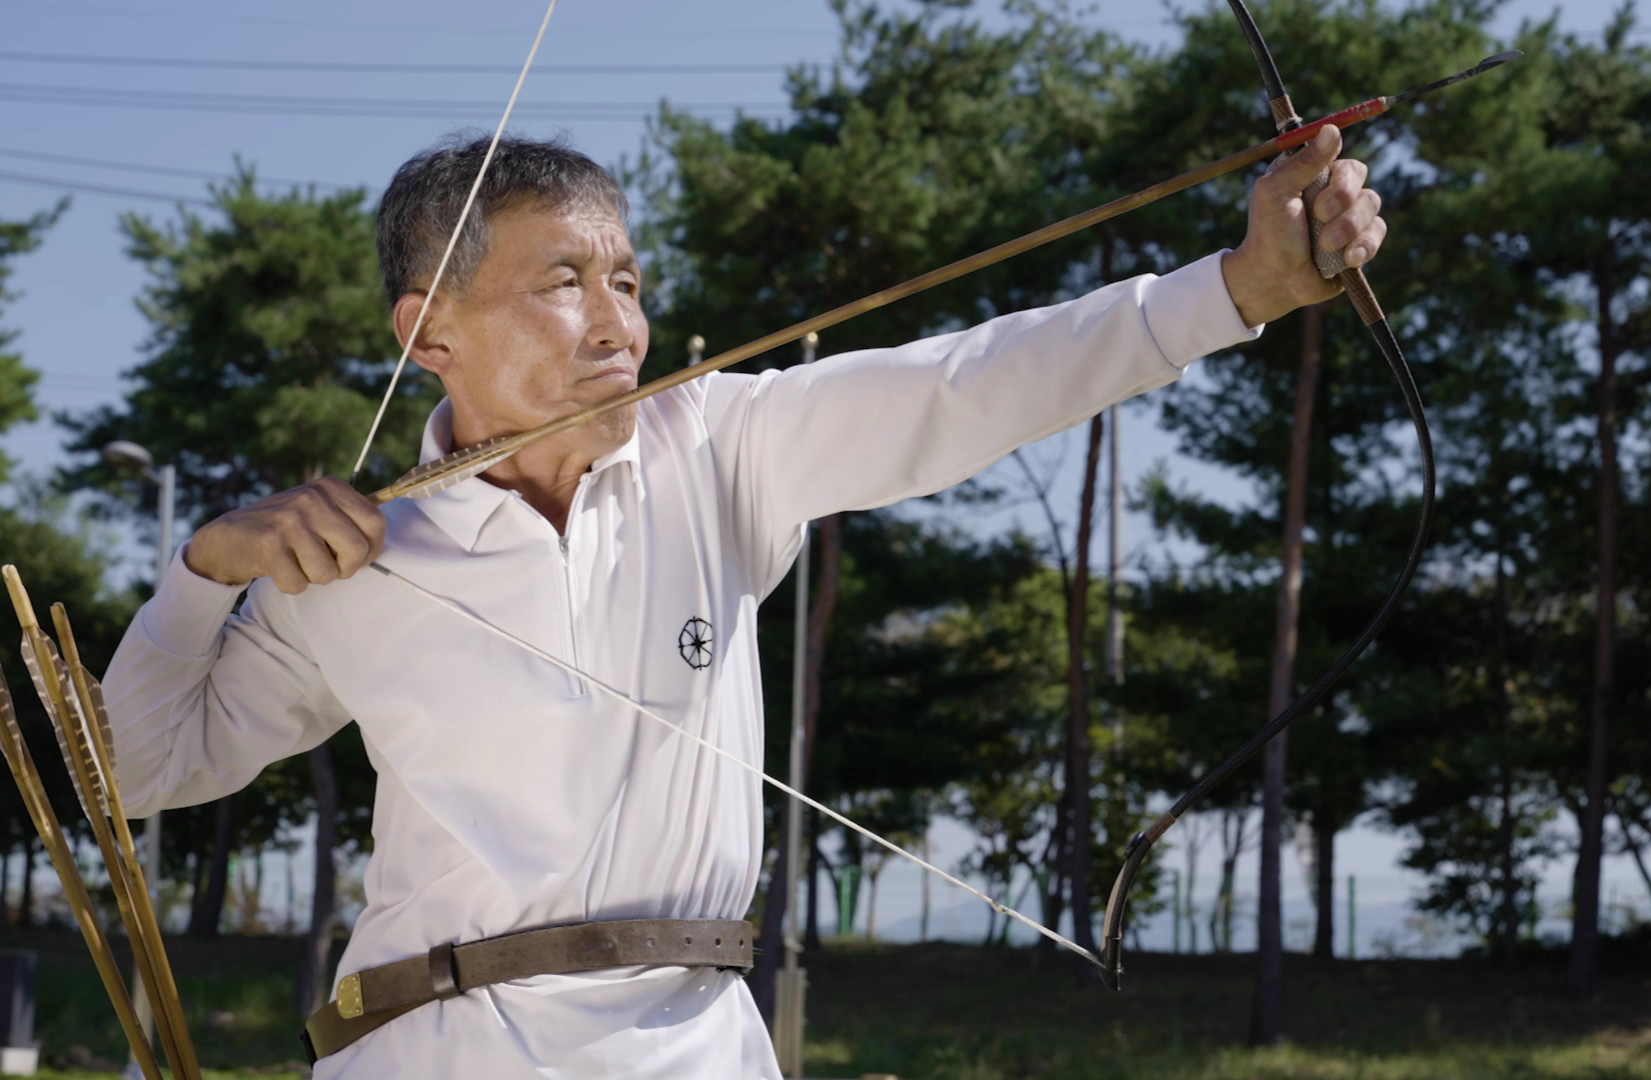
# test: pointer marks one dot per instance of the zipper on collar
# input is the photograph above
(579, 687)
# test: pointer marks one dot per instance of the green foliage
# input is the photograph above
(16, 380)
(60, 561)
(932, 139)
(269, 349)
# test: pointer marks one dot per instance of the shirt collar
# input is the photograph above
(464, 509)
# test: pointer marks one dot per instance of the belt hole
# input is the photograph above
(650, 943)
(612, 944)
(687, 941)
(719, 943)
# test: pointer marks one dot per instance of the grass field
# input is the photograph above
(962, 1013)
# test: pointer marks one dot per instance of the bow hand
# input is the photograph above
(1273, 272)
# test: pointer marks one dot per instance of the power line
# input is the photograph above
(101, 189)
(287, 104)
(391, 69)
(254, 20)
(163, 170)
(386, 26)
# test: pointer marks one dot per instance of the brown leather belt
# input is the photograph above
(370, 999)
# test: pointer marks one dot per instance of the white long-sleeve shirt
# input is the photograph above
(509, 794)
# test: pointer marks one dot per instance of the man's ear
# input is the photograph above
(431, 351)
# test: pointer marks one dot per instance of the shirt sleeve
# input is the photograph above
(865, 429)
(200, 700)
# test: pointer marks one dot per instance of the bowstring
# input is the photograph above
(625, 699)
(452, 243)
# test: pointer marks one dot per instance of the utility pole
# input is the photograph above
(1175, 909)
(792, 983)
(129, 455)
(1352, 917)
(1115, 559)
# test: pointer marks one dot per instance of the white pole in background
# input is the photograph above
(168, 480)
(696, 350)
(789, 996)
(130, 455)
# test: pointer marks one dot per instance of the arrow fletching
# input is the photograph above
(105, 734)
(445, 472)
(70, 730)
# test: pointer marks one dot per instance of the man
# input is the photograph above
(636, 548)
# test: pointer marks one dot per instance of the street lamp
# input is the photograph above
(132, 457)
(696, 350)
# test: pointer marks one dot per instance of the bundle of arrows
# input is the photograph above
(73, 700)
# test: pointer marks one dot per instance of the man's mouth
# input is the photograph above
(618, 373)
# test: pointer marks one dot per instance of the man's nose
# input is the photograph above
(609, 328)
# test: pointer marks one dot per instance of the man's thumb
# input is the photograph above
(1299, 169)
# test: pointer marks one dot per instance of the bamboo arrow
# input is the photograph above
(74, 889)
(443, 473)
(92, 783)
(93, 733)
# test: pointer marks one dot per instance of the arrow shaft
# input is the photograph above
(436, 475)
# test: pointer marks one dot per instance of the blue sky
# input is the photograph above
(131, 123)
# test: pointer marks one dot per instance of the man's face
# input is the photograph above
(552, 324)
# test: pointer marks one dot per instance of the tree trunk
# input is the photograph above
(1324, 886)
(312, 988)
(1232, 846)
(1585, 916)
(871, 904)
(1115, 615)
(766, 966)
(25, 905)
(1055, 895)
(1190, 851)
(829, 538)
(1267, 1017)
(1507, 930)
(1633, 847)
(811, 929)
(1077, 776)
(208, 910)
(928, 885)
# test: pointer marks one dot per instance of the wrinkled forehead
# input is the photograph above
(587, 233)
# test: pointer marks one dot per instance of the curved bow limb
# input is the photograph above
(1295, 134)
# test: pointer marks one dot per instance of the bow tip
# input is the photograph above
(1111, 965)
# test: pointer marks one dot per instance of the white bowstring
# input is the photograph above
(452, 242)
(623, 698)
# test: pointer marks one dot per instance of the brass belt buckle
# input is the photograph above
(349, 997)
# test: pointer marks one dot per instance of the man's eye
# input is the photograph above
(630, 288)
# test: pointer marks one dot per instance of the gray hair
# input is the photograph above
(421, 206)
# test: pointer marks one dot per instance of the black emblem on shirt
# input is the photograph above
(694, 643)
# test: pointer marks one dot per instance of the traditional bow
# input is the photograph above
(438, 475)
(1358, 290)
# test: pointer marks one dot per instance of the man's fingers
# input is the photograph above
(1295, 171)
(1346, 181)
(1366, 206)
(350, 547)
(1366, 244)
(315, 558)
(367, 517)
(288, 576)
(338, 530)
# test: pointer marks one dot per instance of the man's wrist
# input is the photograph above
(202, 569)
(1253, 296)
